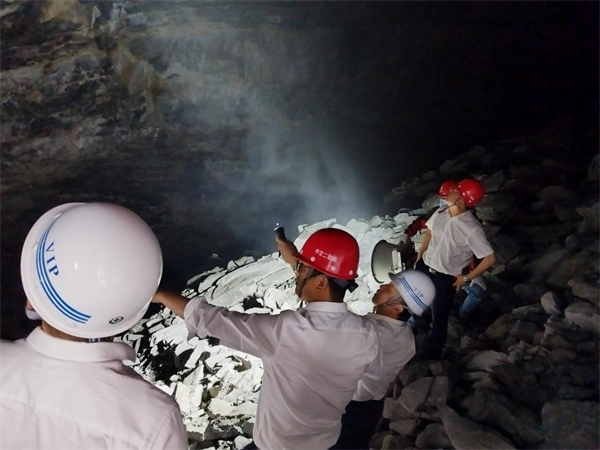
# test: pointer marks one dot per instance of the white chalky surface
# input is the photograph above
(216, 387)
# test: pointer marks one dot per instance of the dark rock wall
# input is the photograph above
(203, 116)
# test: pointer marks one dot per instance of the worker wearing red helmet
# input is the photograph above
(313, 358)
(453, 236)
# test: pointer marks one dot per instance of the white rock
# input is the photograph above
(240, 442)
(375, 221)
(182, 396)
(239, 307)
(218, 407)
(174, 334)
(258, 311)
(359, 226)
(196, 397)
(166, 388)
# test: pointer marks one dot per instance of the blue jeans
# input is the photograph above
(475, 294)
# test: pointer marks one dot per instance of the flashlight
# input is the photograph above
(279, 232)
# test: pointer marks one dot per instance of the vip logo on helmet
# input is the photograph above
(53, 269)
(115, 320)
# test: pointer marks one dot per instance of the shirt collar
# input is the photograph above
(327, 306)
(385, 318)
(79, 351)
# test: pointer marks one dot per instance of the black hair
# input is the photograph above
(336, 290)
(337, 286)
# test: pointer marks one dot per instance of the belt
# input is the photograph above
(435, 272)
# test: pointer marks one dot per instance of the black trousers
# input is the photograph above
(440, 309)
(359, 423)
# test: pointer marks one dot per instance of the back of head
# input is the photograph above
(416, 289)
(471, 191)
(90, 270)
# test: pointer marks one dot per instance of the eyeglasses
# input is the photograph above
(395, 300)
(299, 265)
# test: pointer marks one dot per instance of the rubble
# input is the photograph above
(521, 373)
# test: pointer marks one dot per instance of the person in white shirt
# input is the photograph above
(408, 292)
(89, 272)
(313, 358)
(453, 236)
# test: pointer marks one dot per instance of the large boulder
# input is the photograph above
(426, 391)
(394, 442)
(553, 305)
(494, 207)
(433, 436)
(500, 411)
(558, 194)
(499, 329)
(484, 360)
(495, 182)
(585, 315)
(504, 247)
(570, 424)
(590, 212)
(586, 287)
(405, 427)
(465, 434)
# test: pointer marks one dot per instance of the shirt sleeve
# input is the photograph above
(256, 334)
(371, 385)
(431, 222)
(479, 244)
(172, 435)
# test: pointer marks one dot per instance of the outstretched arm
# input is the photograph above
(257, 334)
(171, 300)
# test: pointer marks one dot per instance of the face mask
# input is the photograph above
(32, 315)
(442, 203)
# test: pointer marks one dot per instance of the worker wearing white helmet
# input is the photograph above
(407, 292)
(89, 272)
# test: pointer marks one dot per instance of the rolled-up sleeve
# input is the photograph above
(256, 334)
(479, 244)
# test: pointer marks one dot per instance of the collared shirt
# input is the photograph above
(454, 241)
(63, 394)
(397, 344)
(313, 359)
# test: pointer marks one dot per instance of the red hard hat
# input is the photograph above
(446, 187)
(332, 252)
(471, 191)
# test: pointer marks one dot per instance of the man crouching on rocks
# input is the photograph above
(313, 358)
(409, 292)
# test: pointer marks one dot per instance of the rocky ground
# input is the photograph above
(521, 373)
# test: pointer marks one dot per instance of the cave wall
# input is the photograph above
(201, 115)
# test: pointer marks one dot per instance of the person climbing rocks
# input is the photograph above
(472, 293)
(89, 271)
(409, 292)
(313, 358)
(453, 236)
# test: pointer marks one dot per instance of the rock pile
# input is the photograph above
(216, 387)
(521, 373)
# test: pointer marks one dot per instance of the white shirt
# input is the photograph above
(63, 394)
(398, 347)
(313, 359)
(454, 241)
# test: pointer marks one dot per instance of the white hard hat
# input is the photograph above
(91, 269)
(416, 288)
